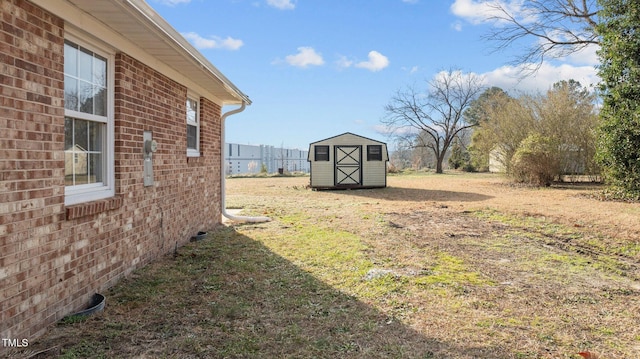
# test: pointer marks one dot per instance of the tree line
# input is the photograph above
(536, 138)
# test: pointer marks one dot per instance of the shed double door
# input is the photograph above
(348, 161)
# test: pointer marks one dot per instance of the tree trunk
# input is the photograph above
(439, 160)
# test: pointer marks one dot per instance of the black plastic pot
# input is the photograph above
(96, 305)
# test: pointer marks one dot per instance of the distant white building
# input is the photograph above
(247, 159)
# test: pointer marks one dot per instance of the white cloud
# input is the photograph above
(512, 79)
(213, 42)
(376, 62)
(586, 56)
(411, 70)
(479, 11)
(282, 4)
(306, 56)
(343, 62)
(410, 1)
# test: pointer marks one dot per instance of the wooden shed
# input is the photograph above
(348, 161)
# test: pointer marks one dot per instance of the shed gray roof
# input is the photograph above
(351, 134)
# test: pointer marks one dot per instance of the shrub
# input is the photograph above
(536, 161)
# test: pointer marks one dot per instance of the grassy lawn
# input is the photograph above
(454, 266)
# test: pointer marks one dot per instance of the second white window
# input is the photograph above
(193, 127)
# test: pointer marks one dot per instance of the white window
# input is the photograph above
(193, 127)
(321, 153)
(374, 152)
(88, 123)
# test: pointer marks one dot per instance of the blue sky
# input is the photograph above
(318, 68)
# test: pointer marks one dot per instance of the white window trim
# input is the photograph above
(191, 152)
(96, 191)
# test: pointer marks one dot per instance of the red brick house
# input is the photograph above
(88, 88)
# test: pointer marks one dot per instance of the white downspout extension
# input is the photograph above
(223, 176)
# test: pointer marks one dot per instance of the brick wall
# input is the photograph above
(52, 257)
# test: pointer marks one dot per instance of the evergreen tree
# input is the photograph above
(619, 132)
(459, 156)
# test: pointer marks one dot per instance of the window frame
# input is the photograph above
(316, 155)
(75, 194)
(374, 156)
(193, 152)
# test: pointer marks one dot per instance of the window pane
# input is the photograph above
(95, 136)
(321, 153)
(99, 71)
(79, 169)
(100, 82)
(95, 168)
(68, 133)
(374, 153)
(80, 138)
(192, 137)
(85, 65)
(100, 101)
(68, 167)
(70, 60)
(86, 97)
(70, 93)
(192, 111)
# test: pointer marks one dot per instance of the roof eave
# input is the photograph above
(175, 38)
(164, 44)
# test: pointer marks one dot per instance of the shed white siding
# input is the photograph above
(347, 163)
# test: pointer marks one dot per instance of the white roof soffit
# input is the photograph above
(136, 21)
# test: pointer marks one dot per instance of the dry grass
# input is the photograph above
(434, 266)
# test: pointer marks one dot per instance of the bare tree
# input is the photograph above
(560, 27)
(433, 119)
(401, 157)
